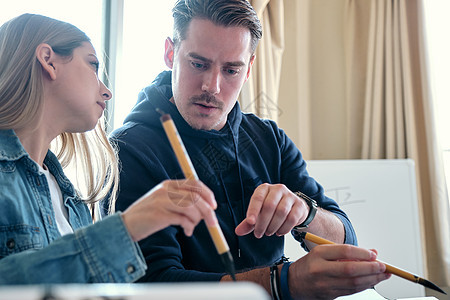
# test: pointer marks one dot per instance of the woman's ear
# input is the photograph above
(45, 55)
(169, 53)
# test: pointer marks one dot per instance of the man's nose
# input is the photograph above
(211, 82)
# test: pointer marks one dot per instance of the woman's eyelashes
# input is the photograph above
(96, 65)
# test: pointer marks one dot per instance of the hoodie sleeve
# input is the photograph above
(164, 257)
(296, 178)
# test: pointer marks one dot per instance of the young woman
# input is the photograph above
(50, 95)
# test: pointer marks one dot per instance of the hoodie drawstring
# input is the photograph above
(236, 152)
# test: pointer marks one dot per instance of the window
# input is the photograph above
(437, 23)
(146, 25)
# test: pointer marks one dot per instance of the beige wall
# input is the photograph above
(312, 88)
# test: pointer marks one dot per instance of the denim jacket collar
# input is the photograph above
(10, 147)
(11, 150)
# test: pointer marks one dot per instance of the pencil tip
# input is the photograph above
(430, 285)
(227, 260)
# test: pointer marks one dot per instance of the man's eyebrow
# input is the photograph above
(199, 57)
(235, 64)
(204, 59)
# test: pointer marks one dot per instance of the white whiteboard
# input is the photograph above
(380, 198)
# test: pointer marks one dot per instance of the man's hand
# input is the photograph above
(273, 209)
(326, 272)
(330, 271)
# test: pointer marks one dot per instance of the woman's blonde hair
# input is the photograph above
(21, 101)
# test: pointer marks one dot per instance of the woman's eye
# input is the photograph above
(96, 65)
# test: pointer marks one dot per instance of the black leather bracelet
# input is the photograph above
(275, 283)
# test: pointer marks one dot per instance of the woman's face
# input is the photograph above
(78, 97)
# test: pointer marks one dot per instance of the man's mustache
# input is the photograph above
(206, 98)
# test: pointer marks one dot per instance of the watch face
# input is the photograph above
(308, 200)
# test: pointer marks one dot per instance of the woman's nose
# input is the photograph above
(106, 93)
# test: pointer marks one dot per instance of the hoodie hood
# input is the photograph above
(158, 94)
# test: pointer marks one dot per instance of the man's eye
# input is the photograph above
(231, 71)
(198, 65)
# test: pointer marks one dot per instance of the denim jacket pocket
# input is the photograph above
(18, 238)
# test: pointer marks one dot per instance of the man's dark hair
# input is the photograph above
(226, 13)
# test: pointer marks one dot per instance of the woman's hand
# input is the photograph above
(172, 202)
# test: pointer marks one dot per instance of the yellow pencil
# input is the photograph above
(189, 172)
(389, 268)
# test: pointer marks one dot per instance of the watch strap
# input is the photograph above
(312, 210)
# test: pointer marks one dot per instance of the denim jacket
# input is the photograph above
(31, 247)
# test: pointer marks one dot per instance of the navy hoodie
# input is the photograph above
(232, 162)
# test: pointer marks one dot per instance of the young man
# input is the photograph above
(252, 167)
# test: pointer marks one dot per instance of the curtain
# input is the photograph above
(390, 112)
(259, 95)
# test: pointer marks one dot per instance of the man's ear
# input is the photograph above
(45, 55)
(252, 60)
(169, 52)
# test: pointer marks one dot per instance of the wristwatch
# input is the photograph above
(312, 210)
